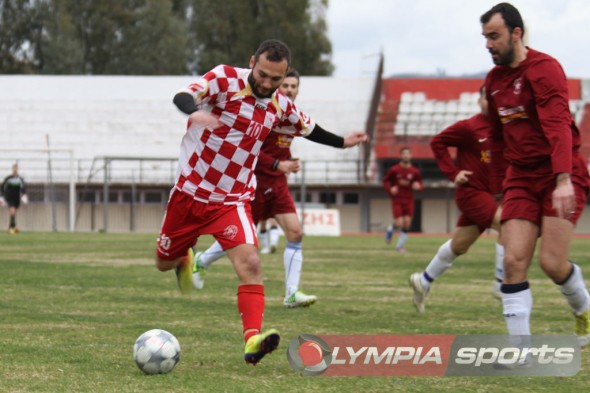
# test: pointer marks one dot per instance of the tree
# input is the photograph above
(228, 32)
(17, 22)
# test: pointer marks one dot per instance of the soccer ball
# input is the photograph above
(156, 352)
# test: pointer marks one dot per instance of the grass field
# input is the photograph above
(72, 305)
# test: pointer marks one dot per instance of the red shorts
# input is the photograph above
(527, 194)
(272, 197)
(402, 207)
(477, 208)
(186, 219)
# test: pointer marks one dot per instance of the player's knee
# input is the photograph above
(163, 265)
(555, 271)
(294, 235)
(251, 264)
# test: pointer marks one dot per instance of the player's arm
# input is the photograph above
(452, 136)
(321, 136)
(185, 102)
(498, 164)
(549, 85)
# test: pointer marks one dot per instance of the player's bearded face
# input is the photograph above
(266, 76)
(503, 55)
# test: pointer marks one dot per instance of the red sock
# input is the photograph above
(251, 308)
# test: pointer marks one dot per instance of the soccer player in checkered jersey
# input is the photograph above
(273, 199)
(400, 182)
(231, 111)
(546, 184)
(473, 196)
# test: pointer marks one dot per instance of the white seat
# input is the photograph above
(419, 96)
(407, 96)
(404, 107)
(428, 106)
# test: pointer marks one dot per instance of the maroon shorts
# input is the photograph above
(477, 208)
(402, 207)
(272, 197)
(186, 219)
(527, 194)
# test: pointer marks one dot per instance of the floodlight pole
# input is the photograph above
(105, 196)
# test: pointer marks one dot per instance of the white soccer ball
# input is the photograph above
(156, 352)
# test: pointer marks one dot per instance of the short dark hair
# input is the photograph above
(509, 13)
(275, 51)
(292, 73)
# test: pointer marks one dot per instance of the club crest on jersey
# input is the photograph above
(164, 242)
(518, 86)
(230, 232)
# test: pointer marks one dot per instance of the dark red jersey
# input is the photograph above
(276, 147)
(472, 138)
(403, 177)
(529, 107)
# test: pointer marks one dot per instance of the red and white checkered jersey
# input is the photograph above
(216, 165)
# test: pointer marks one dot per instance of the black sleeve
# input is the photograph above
(319, 135)
(23, 189)
(185, 102)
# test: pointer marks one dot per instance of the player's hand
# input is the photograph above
(564, 197)
(417, 186)
(289, 166)
(2, 202)
(354, 138)
(24, 199)
(393, 190)
(205, 119)
(462, 177)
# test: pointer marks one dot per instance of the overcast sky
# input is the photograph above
(425, 36)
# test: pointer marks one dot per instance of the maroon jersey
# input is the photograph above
(402, 177)
(276, 147)
(529, 107)
(472, 138)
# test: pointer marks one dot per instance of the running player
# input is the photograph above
(546, 184)
(474, 198)
(231, 111)
(400, 182)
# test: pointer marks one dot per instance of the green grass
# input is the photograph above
(72, 305)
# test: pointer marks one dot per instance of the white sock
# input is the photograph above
(499, 262)
(211, 255)
(575, 292)
(263, 240)
(440, 263)
(403, 236)
(274, 236)
(293, 260)
(517, 312)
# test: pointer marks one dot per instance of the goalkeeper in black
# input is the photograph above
(12, 193)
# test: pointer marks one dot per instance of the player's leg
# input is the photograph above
(391, 228)
(178, 235)
(263, 237)
(553, 259)
(519, 236)
(404, 227)
(12, 222)
(246, 262)
(458, 245)
(499, 270)
(273, 235)
(293, 261)
(202, 262)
